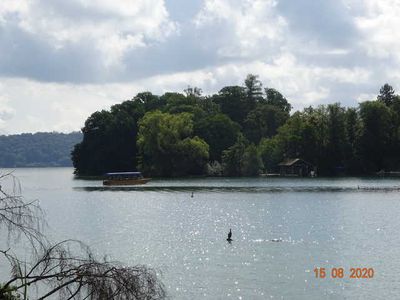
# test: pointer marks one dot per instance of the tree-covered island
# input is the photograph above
(240, 131)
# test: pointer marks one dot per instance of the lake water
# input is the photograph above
(331, 223)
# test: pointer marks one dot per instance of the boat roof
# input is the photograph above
(123, 173)
(291, 161)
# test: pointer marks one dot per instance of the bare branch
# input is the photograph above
(55, 269)
(87, 276)
(19, 217)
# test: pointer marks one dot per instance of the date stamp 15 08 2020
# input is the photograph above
(354, 273)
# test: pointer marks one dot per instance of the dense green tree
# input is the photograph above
(232, 101)
(337, 140)
(219, 131)
(150, 101)
(263, 121)
(305, 135)
(178, 103)
(232, 157)
(353, 131)
(251, 162)
(275, 98)
(352, 124)
(326, 136)
(376, 133)
(317, 120)
(168, 147)
(191, 157)
(208, 106)
(109, 140)
(267, 116)
(270, 153)
(253, 88)
(182, 132)
(386, 94)
(241, 159)
(91, 157)
(296, 137)
(395, 107)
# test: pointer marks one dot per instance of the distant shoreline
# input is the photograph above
(100, 177)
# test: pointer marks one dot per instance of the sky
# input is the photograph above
(62, 60)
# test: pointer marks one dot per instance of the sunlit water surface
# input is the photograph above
(347, 222)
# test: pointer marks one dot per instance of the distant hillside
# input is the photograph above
(43, 149)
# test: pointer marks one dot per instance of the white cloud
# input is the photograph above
(247, 28)
(12, 7)
(6, 111)
(366, 97)
(313, 52)
(65, 107)
(114, 47)
(379, 25)
(110, 27)
(56, 107)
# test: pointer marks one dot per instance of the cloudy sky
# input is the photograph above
(61, 60)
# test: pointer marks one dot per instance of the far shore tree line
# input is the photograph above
(41, 149)
(240, 131)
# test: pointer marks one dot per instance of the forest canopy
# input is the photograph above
(239, 131)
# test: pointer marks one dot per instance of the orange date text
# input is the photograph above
(353, 273)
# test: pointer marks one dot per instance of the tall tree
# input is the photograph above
(353, 130)
(232, 101)
(386, 94)
(376, 133)
(193, 91)
(337, 142)
(109, 140)
(253, 87)
(275, 98)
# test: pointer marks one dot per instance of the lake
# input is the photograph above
(315, 222)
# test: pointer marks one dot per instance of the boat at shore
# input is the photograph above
(125, 178)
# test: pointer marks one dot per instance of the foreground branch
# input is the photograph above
(57, 270)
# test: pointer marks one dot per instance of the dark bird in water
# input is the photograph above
(276, 240)
(229, 239)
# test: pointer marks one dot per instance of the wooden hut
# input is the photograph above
(296, 167)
